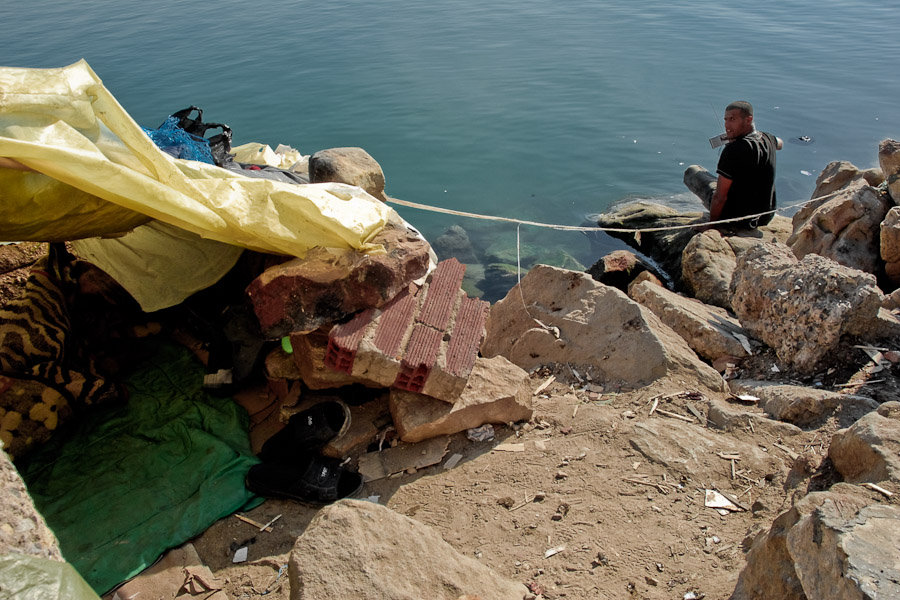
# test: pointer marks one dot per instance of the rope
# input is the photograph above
(460, 213)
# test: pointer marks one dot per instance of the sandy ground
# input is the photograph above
(579, 513)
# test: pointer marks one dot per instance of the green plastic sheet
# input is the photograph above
(26, 577)
(125, 483)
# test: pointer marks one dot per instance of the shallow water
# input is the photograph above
(545, 111)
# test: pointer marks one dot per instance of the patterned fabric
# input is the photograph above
(43, 378)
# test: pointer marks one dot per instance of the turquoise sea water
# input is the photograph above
(541, 110)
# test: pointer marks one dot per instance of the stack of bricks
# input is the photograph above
(425, 340)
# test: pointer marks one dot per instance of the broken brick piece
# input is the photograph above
(394, 322)
(441, 295)
(421, 352)
(465, 339)
(343, 341)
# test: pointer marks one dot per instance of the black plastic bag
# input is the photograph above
(219, 144)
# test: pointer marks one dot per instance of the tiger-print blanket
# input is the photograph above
(43, 377)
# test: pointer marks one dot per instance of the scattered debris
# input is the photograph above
(554, 551)
(509, 447)
(544, 385)
(267, 527)
(485, 433)
(878, 489)
(378, 465)
(746, 398)
(719, 502)
(240, 555)
(453, 461)
(786, 450)
(674, 415)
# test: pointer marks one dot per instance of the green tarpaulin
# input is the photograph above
(125, 483)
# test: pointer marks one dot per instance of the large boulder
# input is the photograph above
(889, 159)
(869, 450)
(709, 330)
(801, 308)
(353, 166)
(356, 549)
(843, 227)
(330, 284)
(800, 405)
(839, 174)
(707, 264)
(559, 316)
(890, 244)
(834, 545)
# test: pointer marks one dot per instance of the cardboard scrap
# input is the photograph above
(378, 465)
(509, 447)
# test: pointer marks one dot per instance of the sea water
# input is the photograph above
(540, 110)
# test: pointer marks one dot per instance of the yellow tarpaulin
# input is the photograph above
(97, 173)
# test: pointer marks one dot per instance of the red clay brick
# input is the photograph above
(343, 341)
(421, 352)
(393, 323)
(465, 339)
(441, 295)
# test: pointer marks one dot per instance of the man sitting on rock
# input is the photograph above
(746, 172)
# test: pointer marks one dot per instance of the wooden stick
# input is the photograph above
(653, 408)
(249, 521)
(790, 452)
(674, 415)
(852, 384)
(544, 385)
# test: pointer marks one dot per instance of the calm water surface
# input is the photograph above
(540, 110)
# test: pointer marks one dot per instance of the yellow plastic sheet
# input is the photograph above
(99, 174)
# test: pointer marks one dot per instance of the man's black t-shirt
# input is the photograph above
(749, 162)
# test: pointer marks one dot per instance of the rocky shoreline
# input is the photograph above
(743, 341)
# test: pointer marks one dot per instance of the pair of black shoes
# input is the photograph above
(292, 467)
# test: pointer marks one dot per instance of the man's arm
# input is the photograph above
(717, 205)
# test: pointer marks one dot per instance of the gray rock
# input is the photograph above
(801, 308)
(22, 528)
(839, 174)
(691, 449)
(869, 450)
(355, 549)
(802, 406)
(834, 545)
(708, 330)
(559, 316)
(890, 244)
(454, 242)
(353, 166)
(889, 159)
(737, 417)
(707, 265)
(843, 227)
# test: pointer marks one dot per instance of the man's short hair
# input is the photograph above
(745, 107)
